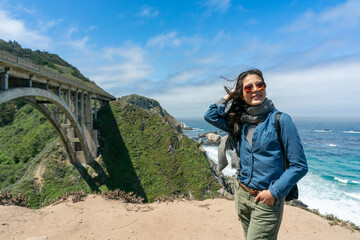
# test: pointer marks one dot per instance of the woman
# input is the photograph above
(262, 183)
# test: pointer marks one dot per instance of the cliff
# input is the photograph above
(139, 138)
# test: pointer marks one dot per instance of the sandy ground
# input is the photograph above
(99, 218)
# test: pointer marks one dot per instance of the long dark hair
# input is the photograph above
(238, 104)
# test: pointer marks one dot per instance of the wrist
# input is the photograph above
(227, 97)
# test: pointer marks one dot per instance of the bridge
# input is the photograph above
(70, 104)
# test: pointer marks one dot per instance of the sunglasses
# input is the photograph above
(250, 87)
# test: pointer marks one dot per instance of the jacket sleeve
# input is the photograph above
(297, 161)
(215, 115)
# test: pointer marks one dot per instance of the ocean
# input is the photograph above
(332, 149)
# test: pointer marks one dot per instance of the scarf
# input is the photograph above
(254, 114)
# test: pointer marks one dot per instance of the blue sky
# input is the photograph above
(176, 51)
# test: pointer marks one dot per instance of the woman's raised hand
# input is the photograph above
(228, 96)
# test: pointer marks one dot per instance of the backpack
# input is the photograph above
(294, 192)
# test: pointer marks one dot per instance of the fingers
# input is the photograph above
(257, 198)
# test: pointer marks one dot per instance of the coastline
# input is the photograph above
(98, 218)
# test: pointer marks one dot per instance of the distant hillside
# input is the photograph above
(141, 150)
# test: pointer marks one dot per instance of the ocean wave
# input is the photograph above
(353, 195)
(331, 145)
(352, 131)
(329, 198)
(346, 181)
(323, 130)
(341, 180)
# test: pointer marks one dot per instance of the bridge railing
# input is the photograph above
(50, 74)
(9, 57)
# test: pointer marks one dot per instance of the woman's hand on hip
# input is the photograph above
(265, 197)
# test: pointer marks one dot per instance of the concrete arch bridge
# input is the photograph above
(71, 106)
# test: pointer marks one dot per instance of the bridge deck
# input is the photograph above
(43, 75)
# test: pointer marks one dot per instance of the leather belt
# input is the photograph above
(249, 190)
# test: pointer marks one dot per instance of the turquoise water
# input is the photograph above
(332, 149)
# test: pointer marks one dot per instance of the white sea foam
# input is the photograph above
(323, 130)
(329, 198)
(341, 180)
(353, 195)
(331, 145)
(212, 153)
(351, 131)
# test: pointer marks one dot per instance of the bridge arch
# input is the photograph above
(30, 95)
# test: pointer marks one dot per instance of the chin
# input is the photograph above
(257, 102)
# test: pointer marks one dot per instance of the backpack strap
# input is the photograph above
(278, 131)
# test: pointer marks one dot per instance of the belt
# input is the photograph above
(249, 190)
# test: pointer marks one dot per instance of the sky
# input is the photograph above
(178, 51)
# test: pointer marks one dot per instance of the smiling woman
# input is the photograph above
(262, 184)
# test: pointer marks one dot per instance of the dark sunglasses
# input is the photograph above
(250, 87)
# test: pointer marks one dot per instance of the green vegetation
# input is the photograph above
(141, 152)
(42, 58)
(28, 146)
(23, 134)
(154, 159)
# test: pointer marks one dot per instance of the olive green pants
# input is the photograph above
(259, 220)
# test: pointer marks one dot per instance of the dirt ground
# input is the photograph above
(99, 218)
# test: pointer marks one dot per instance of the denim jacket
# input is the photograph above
(262, 166)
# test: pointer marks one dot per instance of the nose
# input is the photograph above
(256, 89)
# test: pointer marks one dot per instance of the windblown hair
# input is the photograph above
(238, 104)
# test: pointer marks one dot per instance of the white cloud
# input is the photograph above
(190, 101)
(187, 77)
(91, 28)
(323, 90)
(344, 16)
(124, 66)
(186, 44)
(327, 89)
(46, 25)
(218, 5)
(14, 29)
(212, 58)
(80, 44)
(147, 11)
(162, 40)
(70, 31)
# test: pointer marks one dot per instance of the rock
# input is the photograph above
(213, 138)
(204, 134)
(227, 182)
(185, 127)
(297, 203)
(224, 193)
